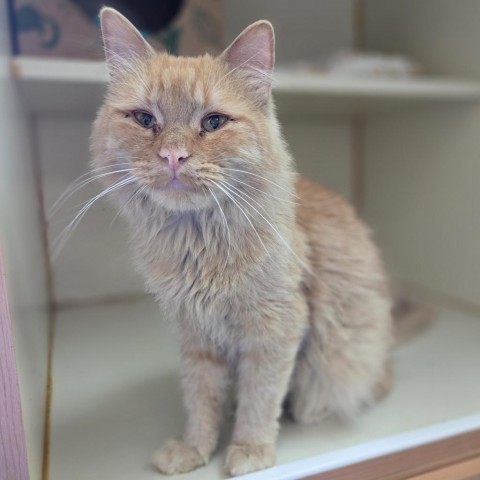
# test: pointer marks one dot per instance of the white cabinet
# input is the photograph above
(98, 366)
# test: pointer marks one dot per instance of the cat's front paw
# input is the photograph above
(177, 457)
(243, 459)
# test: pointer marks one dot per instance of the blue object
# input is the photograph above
(29, 19)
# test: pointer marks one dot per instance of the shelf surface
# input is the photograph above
(57, 85)
(116, 398)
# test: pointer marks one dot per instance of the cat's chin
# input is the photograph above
(176, 196)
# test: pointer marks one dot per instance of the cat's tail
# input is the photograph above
(410, 318)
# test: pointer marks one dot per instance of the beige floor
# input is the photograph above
(117, 398)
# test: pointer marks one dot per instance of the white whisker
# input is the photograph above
(260, 190)
(244, 213)
(241, 197)
(60, 241)
(224, 218)
(263, 178)
(76, 186)
(82, 177)
(139, 190)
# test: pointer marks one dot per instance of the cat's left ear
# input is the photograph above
(253, 53)
(124, 44)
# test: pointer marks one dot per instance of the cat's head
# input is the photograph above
(187, 131)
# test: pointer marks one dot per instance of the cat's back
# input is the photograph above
(316, 199)
(323, 210)
(337, 240)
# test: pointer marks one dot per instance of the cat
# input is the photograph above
(271, 279)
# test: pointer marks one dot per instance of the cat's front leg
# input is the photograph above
(264, 371)
(204, 383)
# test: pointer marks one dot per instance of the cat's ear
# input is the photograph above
(253, 52)
(124, 44)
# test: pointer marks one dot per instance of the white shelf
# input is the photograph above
(116, 399)
(309, 93)
(60, 86)
(57, 85)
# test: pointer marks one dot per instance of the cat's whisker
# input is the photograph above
(260, 190)
(68, 230)
(95, 170)
(224, 218)
(83, 204)
(139, 190)
(60, 241)
(263, 178)
(238, 191)
(103, 167)
(244, 213)
(275, 229)
(80, 205)
(131, 157)
(76, 186)
(68, 210)
(81, 178)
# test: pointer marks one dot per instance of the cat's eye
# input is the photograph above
(213, 122)
(145, 119)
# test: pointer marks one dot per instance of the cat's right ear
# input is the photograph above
(124, 44)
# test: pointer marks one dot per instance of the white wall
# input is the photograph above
(322, 150)
(22, 250)
(304, 29)
(442, 34)
(423, 168)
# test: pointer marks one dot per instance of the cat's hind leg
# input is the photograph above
(344, 363)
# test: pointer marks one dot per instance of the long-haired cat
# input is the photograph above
(272, 280)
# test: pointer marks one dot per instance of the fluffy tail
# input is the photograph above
(410, 318)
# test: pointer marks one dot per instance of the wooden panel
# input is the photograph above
(468, 470)
(24, 262)
(411, 462)
(13, 457)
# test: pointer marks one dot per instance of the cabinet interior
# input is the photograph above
(405, 152)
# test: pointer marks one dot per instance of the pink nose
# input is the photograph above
(175, 157)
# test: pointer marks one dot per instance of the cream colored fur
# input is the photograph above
(273, 281)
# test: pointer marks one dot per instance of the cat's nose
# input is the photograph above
(174, 156)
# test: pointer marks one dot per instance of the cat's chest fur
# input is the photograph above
(190, 266)
(214, 281)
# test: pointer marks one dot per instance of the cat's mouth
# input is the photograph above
(177, 184)
(177, 193)
(168, 184)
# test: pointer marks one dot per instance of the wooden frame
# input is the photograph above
(456, 458)
(13, 455)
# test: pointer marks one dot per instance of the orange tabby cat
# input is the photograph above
(269, 277)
